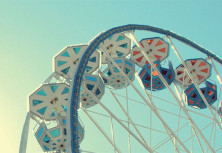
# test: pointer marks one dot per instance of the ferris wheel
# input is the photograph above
(133, 88)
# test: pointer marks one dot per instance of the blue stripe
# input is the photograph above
(92, 47)
(128, 63)
(91, 78)
(118, 61)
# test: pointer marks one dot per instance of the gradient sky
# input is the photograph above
(32, 32)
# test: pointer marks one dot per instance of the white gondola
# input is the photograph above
(155, 48)
(117, 45)
(55, 139)
(67, 60)
(93, 84)
(199, 68)
(49, 100)
(113, 77)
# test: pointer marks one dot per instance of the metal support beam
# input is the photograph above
(125, 127)
(25, 133)
(102, 131)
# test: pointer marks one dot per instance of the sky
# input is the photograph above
(33, 32)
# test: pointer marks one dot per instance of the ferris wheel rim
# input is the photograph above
(75, 85)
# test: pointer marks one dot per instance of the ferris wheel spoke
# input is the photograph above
(200, 129)
(198, 139)
(178, 125)
(112, 131)
(102, 131)
(86, 151)
(165, 140)
(217, 72)
(128, 123)
(219, 107)
(194, 112)
(138, 125)
(161, 100)
(219, 100)
(211, 133)
(215, 137)
(192, 135)
(151, 128)
(129, 118)
(25, 132)
(192, 142)
(219, 149)
(125, 127)
(159, 109)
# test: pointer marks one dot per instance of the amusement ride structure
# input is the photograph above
(133, 88)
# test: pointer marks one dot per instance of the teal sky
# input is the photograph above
(32, 32)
